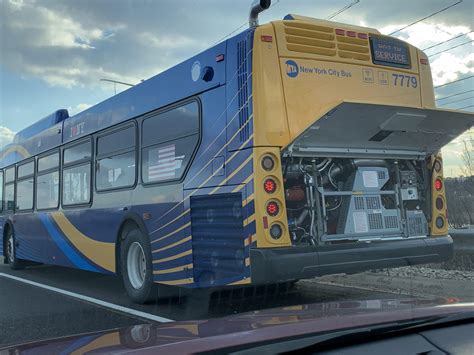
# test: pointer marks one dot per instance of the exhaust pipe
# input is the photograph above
(257, 7)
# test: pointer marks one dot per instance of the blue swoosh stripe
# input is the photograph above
(71, 254)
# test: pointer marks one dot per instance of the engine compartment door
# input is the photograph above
(356, 128)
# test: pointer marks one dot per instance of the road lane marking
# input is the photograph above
(92, 300)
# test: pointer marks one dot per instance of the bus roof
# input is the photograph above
(174, 84)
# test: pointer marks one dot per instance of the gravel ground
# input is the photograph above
(429, 272)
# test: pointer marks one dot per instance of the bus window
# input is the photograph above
(169, 140)
(24, 186)
(24, 194)
(10, 175)
(76, 184)
(26, 169)
(77, 153)
(48, 162)
(1, 190)
(9, 197)
(47, 182)
(76, 179)
(116, 159)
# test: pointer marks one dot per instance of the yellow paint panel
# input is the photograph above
(241, 282)
(173, 257)
(175, 269)
(100, 343)
(184, 240)
(177, 282)
(173, 232)
(338, 82)
(264, 240)
(101, 253)
(269, 100)
(435, 194)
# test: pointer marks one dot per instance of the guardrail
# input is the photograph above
(463, 239)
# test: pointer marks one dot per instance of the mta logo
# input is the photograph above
(291, 68)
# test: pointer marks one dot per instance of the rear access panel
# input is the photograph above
(355, 128)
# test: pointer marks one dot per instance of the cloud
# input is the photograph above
(78, 108)
(72, 45)
(447, 66)
(6, 136)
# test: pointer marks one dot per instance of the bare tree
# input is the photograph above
(467, 156)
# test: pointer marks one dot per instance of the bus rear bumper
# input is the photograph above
(290, 263)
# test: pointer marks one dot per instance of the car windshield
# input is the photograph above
(177, 170)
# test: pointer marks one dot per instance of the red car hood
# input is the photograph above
(246, 328)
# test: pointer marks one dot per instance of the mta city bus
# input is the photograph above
(295, 149)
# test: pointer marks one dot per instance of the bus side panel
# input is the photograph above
(31, 238)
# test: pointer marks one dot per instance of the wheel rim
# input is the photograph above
(136, 265)
(11, 249)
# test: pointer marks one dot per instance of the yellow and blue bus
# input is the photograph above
(295, 149)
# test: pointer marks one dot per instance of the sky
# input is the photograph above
(54, 53)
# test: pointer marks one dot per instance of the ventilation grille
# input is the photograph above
(375, 221)
(381, 175)
(373, 202)
(218, 237)
(391, 222)
(321, 40)
(242, 80)
(359, 203)
(416, 226)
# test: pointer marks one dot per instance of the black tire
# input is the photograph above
(10, 252)
(147, 291)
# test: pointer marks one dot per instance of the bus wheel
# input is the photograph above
(136, 266)
(10, 252)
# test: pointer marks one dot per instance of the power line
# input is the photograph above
(448, 40)
(340, 11)
(455, 81)
(452, 102)
(456, 94)
(462, 108)
(448, 49)
(427, 17)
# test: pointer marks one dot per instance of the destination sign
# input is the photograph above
(389, 52)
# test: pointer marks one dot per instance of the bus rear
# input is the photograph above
(347, 171)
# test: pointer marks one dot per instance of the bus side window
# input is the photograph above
(116, 159)
(1, 191)
(47, 182)
(168, 142)
(76, 174)
(9, 196)
(25, 186)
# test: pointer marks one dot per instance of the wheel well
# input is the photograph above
(126, 225)
(6, 229)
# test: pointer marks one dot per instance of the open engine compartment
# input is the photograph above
(339, 200)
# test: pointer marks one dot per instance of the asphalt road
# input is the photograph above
(31, 312)
(44, 302)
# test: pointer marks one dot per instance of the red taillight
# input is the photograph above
(266, 38)
(362, 35)
(438, 184)
(269, 186)
(351, 33)
(272, 208)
